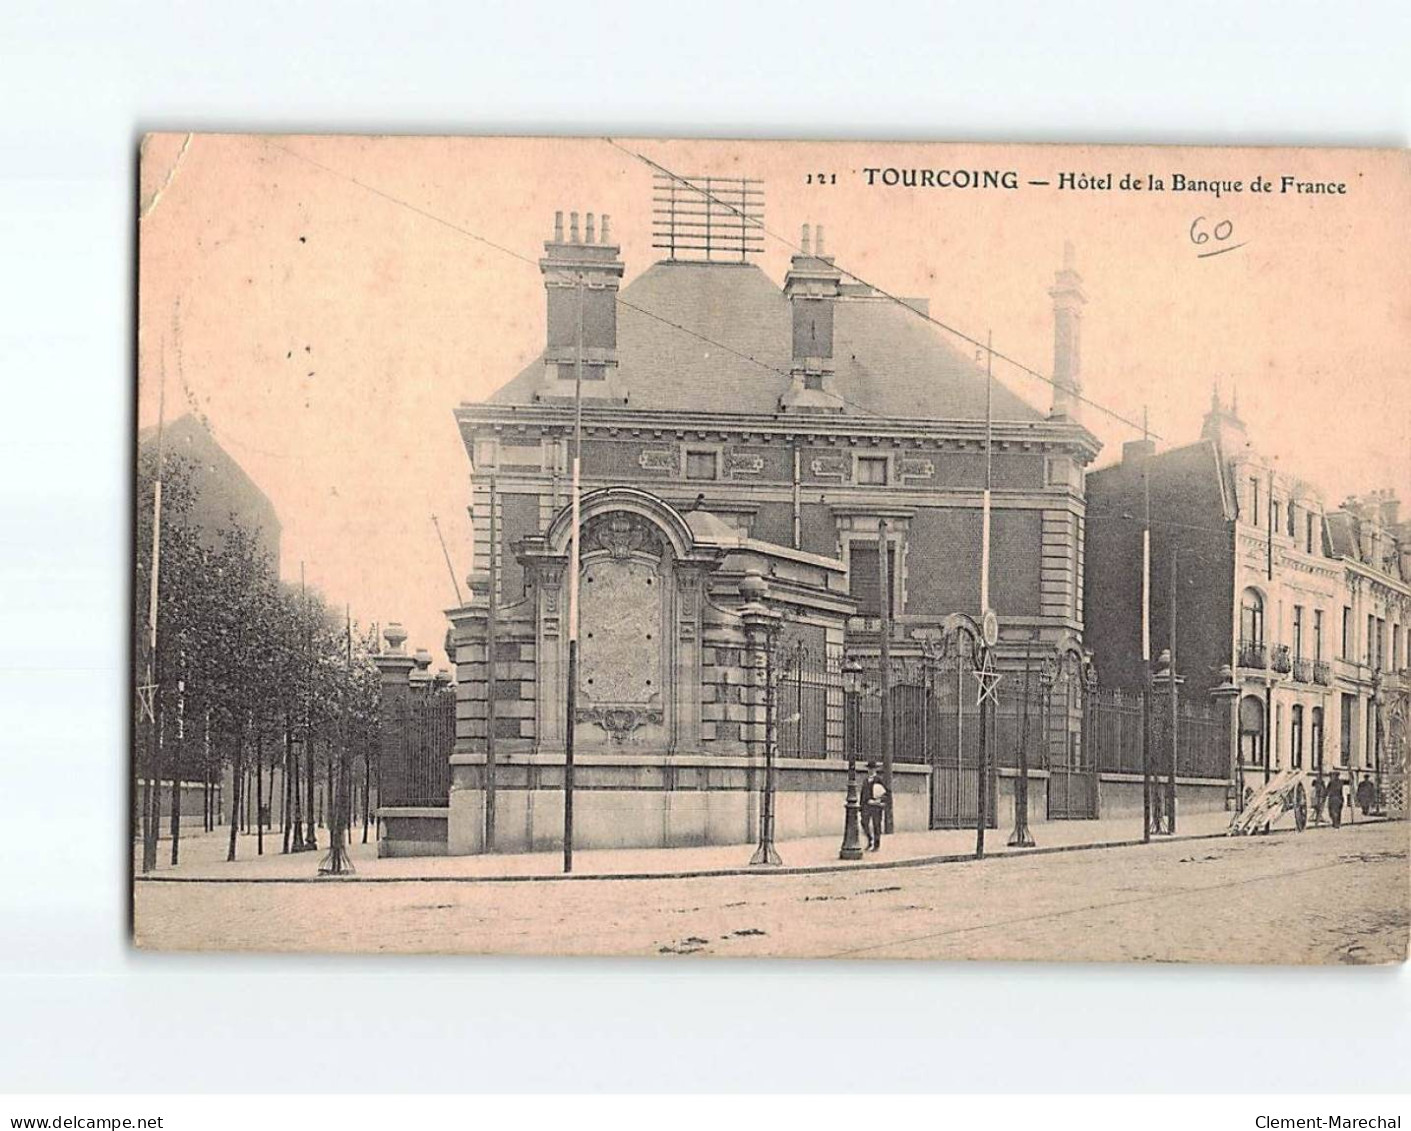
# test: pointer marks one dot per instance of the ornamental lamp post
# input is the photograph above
(852, 689)
(761, 631)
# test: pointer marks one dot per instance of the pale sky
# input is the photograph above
(319, 301)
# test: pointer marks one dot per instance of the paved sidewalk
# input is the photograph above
(203, 855)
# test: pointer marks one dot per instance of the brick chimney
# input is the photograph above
(1068, 301)
(581, 279)
(811, 287)
(1390, 507)
(1223, 426)
(1134, 451)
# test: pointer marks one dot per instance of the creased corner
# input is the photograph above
(150, 205)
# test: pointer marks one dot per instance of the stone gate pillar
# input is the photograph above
(394, 667)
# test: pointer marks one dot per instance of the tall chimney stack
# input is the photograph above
(587, 271)
(1068, 301)
(812, 287)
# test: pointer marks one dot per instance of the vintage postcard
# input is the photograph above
(607, 546)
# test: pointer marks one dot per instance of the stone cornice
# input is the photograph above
(1375, 577)
(600, 420)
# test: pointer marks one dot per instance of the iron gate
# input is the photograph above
(1072, 770)
(927, 730)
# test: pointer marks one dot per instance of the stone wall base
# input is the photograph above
(620, 801)
(1122, 797)
(412, 831)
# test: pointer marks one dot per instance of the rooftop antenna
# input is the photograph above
(708, 219)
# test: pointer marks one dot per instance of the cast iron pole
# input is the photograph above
(884, 600)
(571, 699)
(491, 628)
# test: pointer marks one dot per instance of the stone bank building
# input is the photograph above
(748, 447)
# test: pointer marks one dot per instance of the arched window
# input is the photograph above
(1252, 730)
(1315, 738)
(1252, 619)
(1296, 738)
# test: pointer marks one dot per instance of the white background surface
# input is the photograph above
(79, 1010)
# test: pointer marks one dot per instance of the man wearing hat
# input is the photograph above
(874, 807)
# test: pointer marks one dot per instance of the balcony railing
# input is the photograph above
(1282, 661)
(1252, 654)
(1302, 670)
(1323, 673)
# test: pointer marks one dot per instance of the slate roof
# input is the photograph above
(889, 361)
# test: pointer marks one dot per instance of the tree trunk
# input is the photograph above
(145, 804)
(259, 791)
(296, 782)
(367, 784)
(286, 806)
(176, 771)
(210, 772)
(236, 773)
(154, 830)
(310, 834)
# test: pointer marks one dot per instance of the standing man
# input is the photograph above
(1335, 800)
(874, 807)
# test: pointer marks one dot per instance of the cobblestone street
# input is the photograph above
(1321, 896)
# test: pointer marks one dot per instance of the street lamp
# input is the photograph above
(762, 632)
(852, 688)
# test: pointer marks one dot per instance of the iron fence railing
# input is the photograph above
(1202, 736)
(808, 703)
(1060, 723)
(416, 750)
(1302, 670)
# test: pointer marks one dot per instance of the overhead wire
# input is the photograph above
(569, 279)
(882, 292)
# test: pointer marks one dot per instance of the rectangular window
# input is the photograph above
(1380, 659)
(1277, 748)
(701, 465)
(1293, 519)
(1298, 632)
(1275, 511)
(1371, 640)
(1254, 498)
(865, 582)
(1318, 634)
(1349, 729)
(1309, 541)
(872, 470)
(1346, 633)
